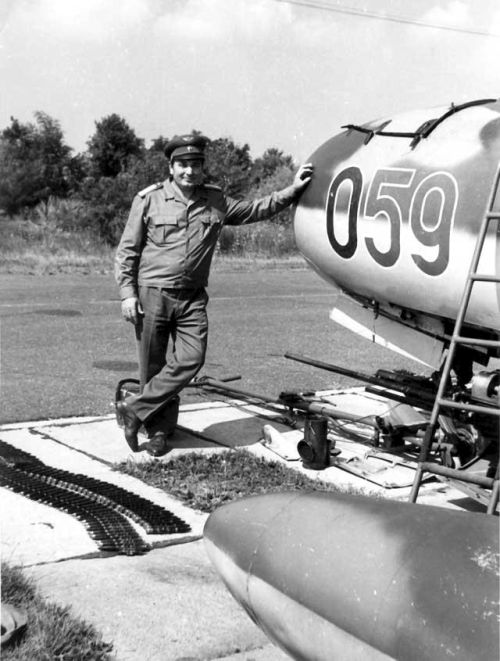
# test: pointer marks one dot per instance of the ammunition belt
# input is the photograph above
(103, 508)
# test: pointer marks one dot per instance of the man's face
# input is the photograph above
(187, 172)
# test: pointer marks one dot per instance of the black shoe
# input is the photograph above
(157, 445)
(131, 425)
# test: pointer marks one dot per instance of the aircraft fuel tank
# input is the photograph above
(333, 576)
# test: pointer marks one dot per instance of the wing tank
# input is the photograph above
(331, 576)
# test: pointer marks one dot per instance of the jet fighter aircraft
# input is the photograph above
(392, 219)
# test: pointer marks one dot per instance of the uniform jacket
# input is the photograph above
(168, 242)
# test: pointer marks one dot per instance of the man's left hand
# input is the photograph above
(302, 177)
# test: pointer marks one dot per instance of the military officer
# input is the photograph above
(162, 267)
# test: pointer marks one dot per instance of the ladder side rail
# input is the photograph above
(464, 303)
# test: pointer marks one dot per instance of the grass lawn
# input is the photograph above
(51, 632)
(204, 482)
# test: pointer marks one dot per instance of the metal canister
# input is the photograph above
(314, 449)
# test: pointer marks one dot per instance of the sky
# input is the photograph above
(270, 73)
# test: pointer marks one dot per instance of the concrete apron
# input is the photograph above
(167, 604)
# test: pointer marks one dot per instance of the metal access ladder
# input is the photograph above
(441, 402)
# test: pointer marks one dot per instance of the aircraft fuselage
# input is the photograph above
(395, 220)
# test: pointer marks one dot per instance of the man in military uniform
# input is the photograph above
(162, 267)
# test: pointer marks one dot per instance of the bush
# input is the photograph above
(266, 239)
(50, 239)
(105, 203)
(61, 233)
(58, 215)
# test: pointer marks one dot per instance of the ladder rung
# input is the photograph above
(484, 278)
(468, 407)
(472, 478)
(460, 339)
(493, 215)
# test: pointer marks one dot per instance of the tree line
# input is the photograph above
(38, 167)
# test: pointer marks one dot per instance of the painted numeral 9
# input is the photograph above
(432, 211)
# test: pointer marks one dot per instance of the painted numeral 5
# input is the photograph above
(380, 203)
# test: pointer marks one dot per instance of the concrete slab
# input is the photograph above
(165, 606)
(33, 533)
(43, 534)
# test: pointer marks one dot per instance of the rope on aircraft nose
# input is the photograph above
(422, 132)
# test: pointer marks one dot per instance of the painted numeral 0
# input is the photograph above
(430, 210)
(350, 205)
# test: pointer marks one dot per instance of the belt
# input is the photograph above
(180, 292)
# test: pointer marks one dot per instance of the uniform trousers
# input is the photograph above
(178, 316)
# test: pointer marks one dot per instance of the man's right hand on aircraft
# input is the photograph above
(302, 177)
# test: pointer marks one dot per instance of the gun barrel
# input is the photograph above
(381, 381)
(297, 402)
(359, 376)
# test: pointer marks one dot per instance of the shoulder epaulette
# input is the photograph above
(212, 187)
(150, 189)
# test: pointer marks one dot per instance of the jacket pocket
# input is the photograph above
(162, 228)
(211, 223)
